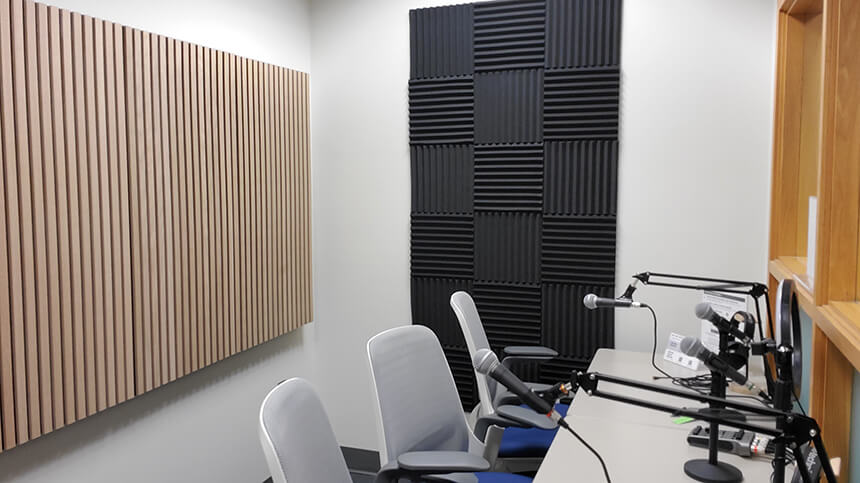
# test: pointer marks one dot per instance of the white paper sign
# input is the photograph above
(810, 240)
(674, 355)
(724, 304)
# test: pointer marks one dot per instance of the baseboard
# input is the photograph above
(358, 459)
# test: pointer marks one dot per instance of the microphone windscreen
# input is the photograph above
(590, 301)
(484, 360)
(704, 311)
(691, 346)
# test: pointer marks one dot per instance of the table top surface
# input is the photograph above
(637, 444)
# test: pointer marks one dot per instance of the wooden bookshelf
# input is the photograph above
(817, 153)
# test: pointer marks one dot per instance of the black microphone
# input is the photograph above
(705, 312)
(486, 363)
(693, 347)
(592, 301)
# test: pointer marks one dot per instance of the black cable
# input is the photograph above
(566, 426)
(687, 382)
(654, 345)
(797, 400)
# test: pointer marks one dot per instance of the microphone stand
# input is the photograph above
(792, 430)
(755, 290)
(710, 469)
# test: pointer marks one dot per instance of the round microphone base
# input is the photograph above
(703, 470)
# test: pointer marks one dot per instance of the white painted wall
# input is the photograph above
(695, 145)
(695, 151)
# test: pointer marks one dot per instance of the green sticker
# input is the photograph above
(682, 420)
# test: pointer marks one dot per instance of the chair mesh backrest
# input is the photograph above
(419, 408)
(295, 429)
(476, 339)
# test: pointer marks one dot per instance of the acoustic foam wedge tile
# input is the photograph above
(450, 52)
(578, 250)
(581, 103)
(580, 178)
(511, 313)
(508, 106)
(507, 247)
(442, 246)
(583, 33)
(442, 178)
(431, 307)
(509, 35)
(441, 111)
(509, 177)
(460, 363)
(560, 369)
(569, 327)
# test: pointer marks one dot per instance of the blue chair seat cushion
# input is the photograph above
(528, 442)
(502, 478)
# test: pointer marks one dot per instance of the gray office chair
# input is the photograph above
(529, 434)
(490, 393)
(297, 438)
(422, 426)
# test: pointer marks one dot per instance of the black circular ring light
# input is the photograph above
(788, 328)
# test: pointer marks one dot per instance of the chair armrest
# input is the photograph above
(539, 353)
(526, 417)
(437, 462)
(483, 423)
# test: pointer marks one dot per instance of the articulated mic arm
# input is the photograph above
(791, 428)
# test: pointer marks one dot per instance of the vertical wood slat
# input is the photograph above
(110, 210)
(151, 222)
(50, 317)
(9, 364)
(125, 353)
(27, 243)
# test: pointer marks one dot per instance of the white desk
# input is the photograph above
(637, 444)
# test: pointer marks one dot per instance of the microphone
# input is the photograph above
(592, 301)
(705, 312)
(693, 347)
(486, 363)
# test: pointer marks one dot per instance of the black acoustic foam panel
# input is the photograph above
(441, 41)
(508, 106)
(511, 313)
(513, 124)
(581, 177)
(442, 110)
(578, 249)
(430, 307)
(507, 247)
(583, 33)
(581, 103)
(442, 180)
(509, 35)
(509, 177)
(442, 246)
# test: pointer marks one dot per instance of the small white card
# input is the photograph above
(674, 355)
(811, 230)
(726, 305)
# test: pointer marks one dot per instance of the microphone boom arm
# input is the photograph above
(797, 429)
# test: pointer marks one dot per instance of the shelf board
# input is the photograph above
(794, 268)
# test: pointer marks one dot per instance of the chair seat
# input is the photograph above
(501, 478)
(528, 442)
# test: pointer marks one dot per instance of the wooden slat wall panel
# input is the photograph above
(154, 212)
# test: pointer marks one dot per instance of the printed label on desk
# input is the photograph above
(674, 355)
(726, 305)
